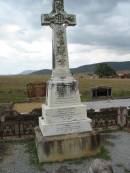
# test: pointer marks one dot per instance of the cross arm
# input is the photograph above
(46, 19)
(70, 19)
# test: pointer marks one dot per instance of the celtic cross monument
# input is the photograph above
(63, 115)
(63, 112)
(58, 20)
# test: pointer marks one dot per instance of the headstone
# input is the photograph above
(36, 90)
(63, 113)
(64, 130)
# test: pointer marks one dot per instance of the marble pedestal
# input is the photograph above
(63, 112)
(66, 147)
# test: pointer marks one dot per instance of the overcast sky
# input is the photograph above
(102, 33)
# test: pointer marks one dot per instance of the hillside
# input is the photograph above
(118, 66)
(27, 72)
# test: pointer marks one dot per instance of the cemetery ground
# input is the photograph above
(21, 156)
(13, 88)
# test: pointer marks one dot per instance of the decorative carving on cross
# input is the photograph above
(58, 20)
(58, 5)
(58, 15)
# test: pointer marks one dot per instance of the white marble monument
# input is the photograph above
(64, 130)
(63, 112)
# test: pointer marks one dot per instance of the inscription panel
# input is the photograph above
(65, 114)
(61, 94)
(66, 128)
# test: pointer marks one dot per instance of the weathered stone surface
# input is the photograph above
(55, 115)
(58, 20)
(64, 127)
(63, 92)
(63, 113)
(64, 147)
(100, 166)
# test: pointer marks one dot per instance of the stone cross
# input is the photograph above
(58, 20)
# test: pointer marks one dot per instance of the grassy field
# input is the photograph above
(13, 88)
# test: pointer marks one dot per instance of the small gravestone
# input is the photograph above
(36, 90)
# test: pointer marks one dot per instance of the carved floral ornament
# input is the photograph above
(58, 5)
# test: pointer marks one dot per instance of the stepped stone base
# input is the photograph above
(66, 147)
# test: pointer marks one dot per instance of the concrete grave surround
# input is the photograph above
(63, 112)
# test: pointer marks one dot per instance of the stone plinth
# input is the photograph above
(66, 147)
(63, 112)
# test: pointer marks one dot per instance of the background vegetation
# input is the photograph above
(13, 88)
(104, 70)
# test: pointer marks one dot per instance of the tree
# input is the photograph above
(104, 70)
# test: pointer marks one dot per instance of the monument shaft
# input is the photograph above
(58, 20)
(60, 52)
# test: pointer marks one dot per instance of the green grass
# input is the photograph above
(117, 85)
(13, 88)
(104, 154)
(32, 151)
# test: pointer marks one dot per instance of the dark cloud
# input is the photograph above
(104, 24)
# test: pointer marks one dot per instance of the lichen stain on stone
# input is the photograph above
(94, 141)
(84, 143)
(48, 146)
(98, 136)
(59, 147)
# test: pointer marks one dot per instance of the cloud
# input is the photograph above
(102, 33)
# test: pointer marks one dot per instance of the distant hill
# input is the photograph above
(42, 72)
(118, 66)
(27, 72)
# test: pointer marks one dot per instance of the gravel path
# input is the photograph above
(17, 160)
(120, 151)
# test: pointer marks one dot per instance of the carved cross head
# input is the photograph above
(58, 15)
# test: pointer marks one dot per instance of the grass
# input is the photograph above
(104, 154)
(117, 87)
(32, 151)
(13, 88)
